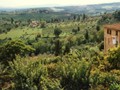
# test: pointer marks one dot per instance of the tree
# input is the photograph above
(13, 48)
(78, 19)
(67, 48)
(74, 17)
(58, 47)
(87, 36)
(43, 24)
(29, 21)
(40, 47)
(78, 28)
(57, 32)
(12, 20)
(116, 15)
(98, 28)
(74, 31)
(83, 16)
(100, 35)
(74, 74)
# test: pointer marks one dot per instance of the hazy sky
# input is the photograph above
(40, 3)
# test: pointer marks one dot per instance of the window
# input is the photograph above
(116, 33)
(108, 31)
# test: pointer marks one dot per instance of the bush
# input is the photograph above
(114, 86)
(31, 75)
(114, 57)
(106, 79)
(13, 48)
(57, 32)
(74, 75)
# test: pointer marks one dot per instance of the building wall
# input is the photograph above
(110, 39)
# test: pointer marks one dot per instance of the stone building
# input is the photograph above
(111, 36)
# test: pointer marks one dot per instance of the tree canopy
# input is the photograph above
(13, 48)
(57, 32)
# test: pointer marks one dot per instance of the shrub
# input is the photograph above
(74, 75)
(114, 86)
(2, 69)
(114, 57)
(31, 75)
(57, 32)
(13, 48)
(40, 47)
(105, 79)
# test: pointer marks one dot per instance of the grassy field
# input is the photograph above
(66, 27)
(19, 32)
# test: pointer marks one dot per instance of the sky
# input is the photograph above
(49, 3)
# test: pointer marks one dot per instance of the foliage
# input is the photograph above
(104, 78)
(115, 86)
(100, 36)
(13, 48)
(114, 57)
(57, 32)
(87, 36)
(101, 46)
(80, 69)
(116, 15)
(43, 24)
(98, 28)
(58, 47)
(67, 48)
(40, 47)
(74, 31)
(31, 75)
(3, 69)
(6, 28)
(74, 75)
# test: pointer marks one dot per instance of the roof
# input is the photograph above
(113, 26)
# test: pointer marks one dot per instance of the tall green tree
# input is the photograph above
(98, 28)
(57, 32)
(12, 20)
(78, 28)
(87, 36)
(58, 47)
(84, 16)
(67, 48)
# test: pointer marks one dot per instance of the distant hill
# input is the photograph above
(88, 9)
(6, 9)
(93, 9)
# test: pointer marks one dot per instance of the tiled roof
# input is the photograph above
(113, 26)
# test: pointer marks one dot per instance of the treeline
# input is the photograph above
(110, 18)
(8, 23)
